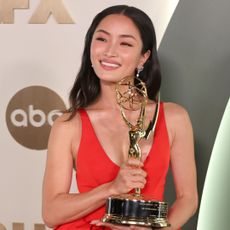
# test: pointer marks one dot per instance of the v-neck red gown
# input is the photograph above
(94, 167)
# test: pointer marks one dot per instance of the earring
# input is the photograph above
(139, 70)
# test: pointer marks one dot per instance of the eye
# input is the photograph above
(126, 44)
(101, 39)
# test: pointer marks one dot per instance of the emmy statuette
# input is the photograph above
(135, 209)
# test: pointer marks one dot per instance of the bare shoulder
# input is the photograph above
(177, 120)
(64, 123)
(66, 129)
(175, 112)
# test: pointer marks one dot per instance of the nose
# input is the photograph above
(111, 50)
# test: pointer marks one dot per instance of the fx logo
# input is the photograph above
(40, 15)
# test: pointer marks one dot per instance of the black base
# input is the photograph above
(135, 210)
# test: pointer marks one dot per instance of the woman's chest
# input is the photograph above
(116, 140)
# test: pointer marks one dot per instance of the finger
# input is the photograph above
(138, 179)
(111, 226)
(137, 185)
(138, 172)
(134, 162)
(133, 227)
(95, 222)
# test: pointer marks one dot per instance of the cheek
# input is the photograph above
(132, 62)
(95, 52)
(132, 57)
(92, 47)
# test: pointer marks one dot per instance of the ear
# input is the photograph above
(144, 58)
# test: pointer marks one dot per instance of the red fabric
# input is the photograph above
(94, 167)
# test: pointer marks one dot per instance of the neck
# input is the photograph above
(107, 97)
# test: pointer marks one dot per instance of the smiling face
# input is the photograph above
(116, 48)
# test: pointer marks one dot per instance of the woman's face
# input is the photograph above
(116, 48)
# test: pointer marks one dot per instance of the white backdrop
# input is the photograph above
(45, 55)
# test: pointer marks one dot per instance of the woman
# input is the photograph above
(93, 137)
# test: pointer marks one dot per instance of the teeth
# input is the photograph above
(109, 64)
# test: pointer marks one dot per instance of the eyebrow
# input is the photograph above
(122, 35)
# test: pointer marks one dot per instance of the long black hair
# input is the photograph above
(86, 87)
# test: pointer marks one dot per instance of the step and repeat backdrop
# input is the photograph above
(41, 44)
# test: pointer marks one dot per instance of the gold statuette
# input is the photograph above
(135, 209)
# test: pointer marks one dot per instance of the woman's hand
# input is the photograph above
(130, 176)
(118, 227)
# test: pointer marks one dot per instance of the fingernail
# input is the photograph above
(93, 222)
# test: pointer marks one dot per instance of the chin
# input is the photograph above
(110, 78)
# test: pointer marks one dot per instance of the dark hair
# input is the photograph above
(86, 87)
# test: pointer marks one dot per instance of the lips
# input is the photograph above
(109, 64)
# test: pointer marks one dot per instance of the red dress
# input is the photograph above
(94, 167)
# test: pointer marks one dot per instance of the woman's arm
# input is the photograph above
(59, 206)
(182, 165)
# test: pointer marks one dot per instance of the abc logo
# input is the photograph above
(30, 115)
